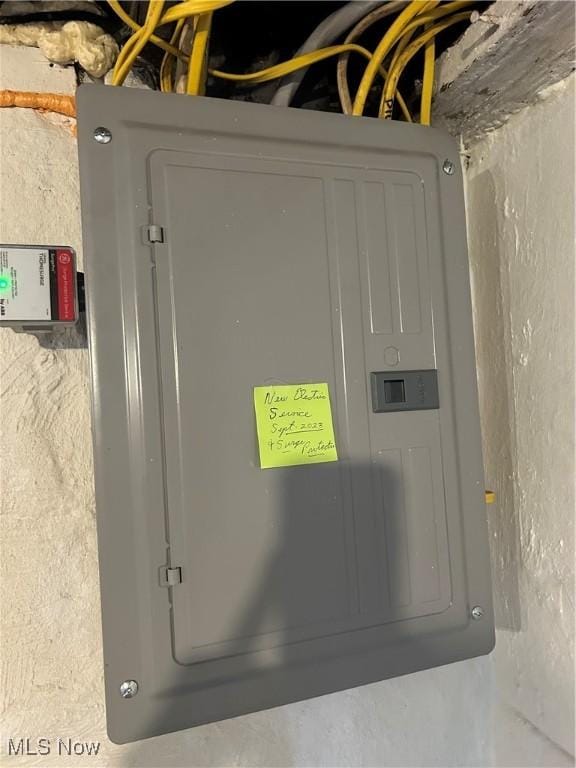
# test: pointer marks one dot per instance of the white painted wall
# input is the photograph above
(520, 199)
(51, 683)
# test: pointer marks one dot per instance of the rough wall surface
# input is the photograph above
(520, 197)
(51, 683)
(513, 51)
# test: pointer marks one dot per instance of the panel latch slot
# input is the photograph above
(153, 233)
(169, 576)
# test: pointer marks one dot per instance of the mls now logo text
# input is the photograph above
(60, 746)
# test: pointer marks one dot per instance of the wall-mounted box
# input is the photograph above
(231, 245)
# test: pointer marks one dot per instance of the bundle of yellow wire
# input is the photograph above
(425, 17)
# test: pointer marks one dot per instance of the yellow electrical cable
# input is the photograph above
(401, 45)
(407, 35)
(270, 73)
(168, 61)
(192, 8)
(384, 46)
(428, 82)
(129, 21)
(423, 18)
(401, 103)
(154, 19)
(426, 18)
(305, 60)
(196, 82)
(126, 48)
(126, 18)
(367, 22)
(137, 42)
(387, 101)
(286, 67)
(376, 15)
(445, 9)
(433, 15)
(401, 31)
(395, 72)
(131, 42)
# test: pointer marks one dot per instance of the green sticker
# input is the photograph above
(294, 425)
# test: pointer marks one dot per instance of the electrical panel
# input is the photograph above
(231, 247)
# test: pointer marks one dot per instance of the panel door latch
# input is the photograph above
(153, 233)
(169, 577)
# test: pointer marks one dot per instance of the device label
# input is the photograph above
(37, 284)
(65, 280)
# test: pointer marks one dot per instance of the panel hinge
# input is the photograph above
(169, 577)
(153, 233)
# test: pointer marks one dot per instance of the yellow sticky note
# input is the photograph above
(294, 425)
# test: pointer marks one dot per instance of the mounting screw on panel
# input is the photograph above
(477, 612)
(102, 135)
(448, 167)
(128, 689)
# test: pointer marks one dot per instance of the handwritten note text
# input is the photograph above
(294, 425)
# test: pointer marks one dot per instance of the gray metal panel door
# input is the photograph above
(297, 247)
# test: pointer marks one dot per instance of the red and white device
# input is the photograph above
(38, 287)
